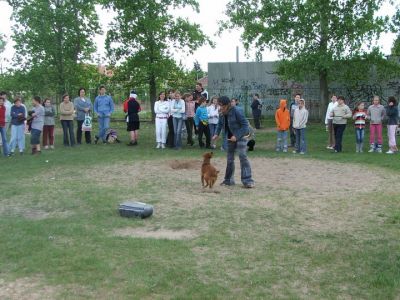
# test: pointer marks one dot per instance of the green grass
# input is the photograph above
(57, 223)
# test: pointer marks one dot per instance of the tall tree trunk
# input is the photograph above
(323, 93)
(153, 93)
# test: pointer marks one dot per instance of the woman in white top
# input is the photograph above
(213, 116)
(161, 109)
(177, 111)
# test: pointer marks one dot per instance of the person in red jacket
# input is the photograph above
(3, 127)
(282, 119)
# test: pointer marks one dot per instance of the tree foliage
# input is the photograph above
(54, 38)
(311, 36)
(143, 35)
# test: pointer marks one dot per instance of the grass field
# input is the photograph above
(319, 226)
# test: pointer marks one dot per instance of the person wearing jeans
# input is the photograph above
(82, 106)
(3, 112)
(300, 118)
(237, 128)
(18, 114)
(177, 110)
(103, 107)
(67, 123)
(340, 113)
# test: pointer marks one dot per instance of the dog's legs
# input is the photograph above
(202, 180)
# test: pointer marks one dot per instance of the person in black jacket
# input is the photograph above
(256, 106)
(392, 113)
(132, 119)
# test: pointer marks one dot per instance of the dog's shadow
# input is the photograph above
(210, 191)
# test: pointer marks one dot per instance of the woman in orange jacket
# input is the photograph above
(282, 119)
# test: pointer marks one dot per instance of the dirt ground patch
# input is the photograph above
(185, 164)
(155, 234)
(27, 288)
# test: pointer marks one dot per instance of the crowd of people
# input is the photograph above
(193, 112)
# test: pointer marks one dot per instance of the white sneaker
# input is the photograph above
(52, 147)
(302, 153)
(371, 150)
(46, 147)
(158, 146)
(389, 152)
(379, 150)
(162, 146)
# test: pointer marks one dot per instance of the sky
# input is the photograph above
(211, 11)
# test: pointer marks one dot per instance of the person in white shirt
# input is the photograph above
(177, 111)
(329, 122)
(161, 109)
(213, 117)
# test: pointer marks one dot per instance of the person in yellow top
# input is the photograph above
(282, 119)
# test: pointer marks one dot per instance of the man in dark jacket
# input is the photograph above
(256, 106)
(237, 129)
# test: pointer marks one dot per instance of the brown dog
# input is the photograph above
(208, 172)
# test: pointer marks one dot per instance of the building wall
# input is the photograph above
(242, 80)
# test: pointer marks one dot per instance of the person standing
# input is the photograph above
(190, 112)
(237, 128)
(329, 122)
(3, 127)
(376, 114)
(213, 117)
(103, 107)
(83, 106)
(340, 114)
(300, 119)
(133, 121)
(256, 106)
(359, 116)
(7, 105)
(67, 120)
(18, 117)
(392, 113)
(170, 136)
(292, 108)
(177, 110)
(49, 122)
(201, 122)
(161, 109)
(282, 119)
(37, 124)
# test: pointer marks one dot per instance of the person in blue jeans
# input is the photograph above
(237, 129)
(103, 107)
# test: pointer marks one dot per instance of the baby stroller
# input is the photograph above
(112, 136)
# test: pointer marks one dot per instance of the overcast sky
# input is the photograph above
(211, 11)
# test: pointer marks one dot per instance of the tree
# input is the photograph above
(54, 38)
(142, 35)
(396, 28)
(311, 36)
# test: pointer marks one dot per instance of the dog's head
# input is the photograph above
(208, 155)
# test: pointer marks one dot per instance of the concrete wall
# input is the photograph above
(242, 80)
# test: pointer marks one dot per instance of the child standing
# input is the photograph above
(132, 119)
(300, 118)
(393, 119)
(3, 127)
(189, 122)
(37, 124)
(201, 122)
(282, 119)
(161, 109)
(213, 117)
(48, 127)
(359, 116)
(376, 114)
(177, 110)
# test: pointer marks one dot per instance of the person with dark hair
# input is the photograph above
(340, 113)
(83, 106)
(132, 119)
(190, 112)
(2, 127)
(237, 128)
(199, 92)
(103, 107)
(201, 122)
(292, 108)
(329, 122)
(161, 109)
(37, 124)
(392, 113)
(18, 117)
(49, 122)
(67, 120)
(7, 105)
(256, 106)
(170, 136)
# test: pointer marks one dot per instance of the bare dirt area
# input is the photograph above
(155, 234)
(26, 288)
